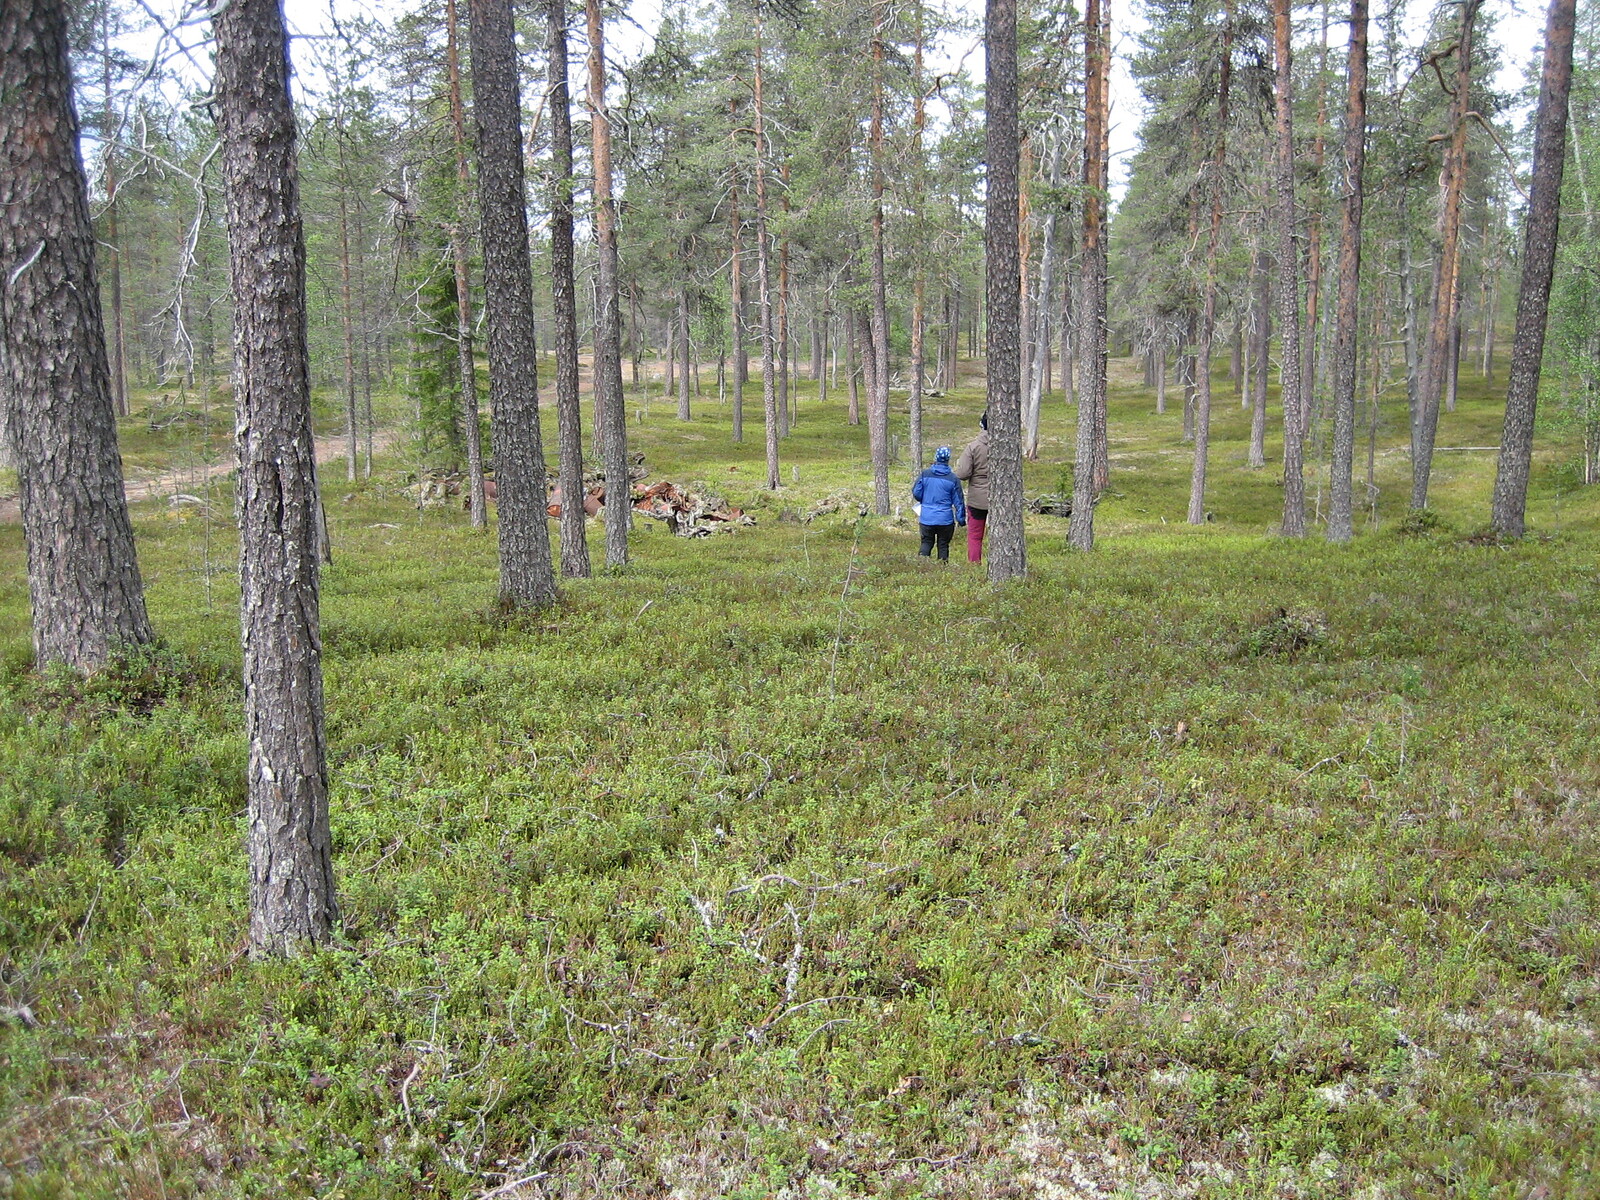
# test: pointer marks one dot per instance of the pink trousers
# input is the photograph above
(974, 539)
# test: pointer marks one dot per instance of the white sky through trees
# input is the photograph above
(1518, 30)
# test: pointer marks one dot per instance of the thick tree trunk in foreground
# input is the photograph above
(564, 297)
(1092, 274)
(527, 576)
(608, 337)
(1341, 526)
(1538, 264)
(1003, 284)
(291, 865)
(1294, 405)
(83, 576)
(460, 255)
(1435, 364)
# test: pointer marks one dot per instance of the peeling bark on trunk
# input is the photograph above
(292, 901)
(83, 575)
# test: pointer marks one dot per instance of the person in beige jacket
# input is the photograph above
(973, 467)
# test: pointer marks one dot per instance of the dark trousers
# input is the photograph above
(936, 533)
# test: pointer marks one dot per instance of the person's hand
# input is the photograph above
(963, 524)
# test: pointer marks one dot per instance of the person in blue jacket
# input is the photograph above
(943, 508)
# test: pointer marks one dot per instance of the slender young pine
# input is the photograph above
(1294, 407)
(608, 332)
(292, 901)
(769, 383)
(1091, 359)
(1436, 366)
(1538, 264)
(83, 575)
(1347, 316)
(878, 321)
(1208, 314)
(1003, 284)
(460, 256)
(564, 298)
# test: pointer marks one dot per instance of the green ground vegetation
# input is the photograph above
(784, 863)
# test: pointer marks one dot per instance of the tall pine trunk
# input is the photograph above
(1043, 308)
(1092, 277)
(1341, 527)
(1294, 405)
(1003, 289)
(1256, 368)
(608, 334)
(741, 359)
(461, 257)
(1435, 363)
(527, 576)
(83, 575)
(769, 392)
(878, 386)
(292, 902)
(564, 298)
(1538, 263)
(1208, 314)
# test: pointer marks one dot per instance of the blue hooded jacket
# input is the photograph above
(940, 493)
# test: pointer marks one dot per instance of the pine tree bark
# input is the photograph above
(608, 334)
(1256, 368)
(1092, 277)
(1435, 364)
(769, 392)
(352, 420)
(1341, 527)
(741, 358)
(1003, 290)
(1509, 507)
(292, 902)
(83, 575)
(116, 331)
(460, 257)
(681, 343)
(527, 576)
(878, 389)
(1043, 308)
(1294, 404)
(1208, 315)
(564, 303)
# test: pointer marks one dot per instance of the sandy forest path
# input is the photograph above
(330, 448)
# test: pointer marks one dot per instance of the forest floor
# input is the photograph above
(193, 477)
(785, 863)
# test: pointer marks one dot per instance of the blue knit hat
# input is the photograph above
(942, 454)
